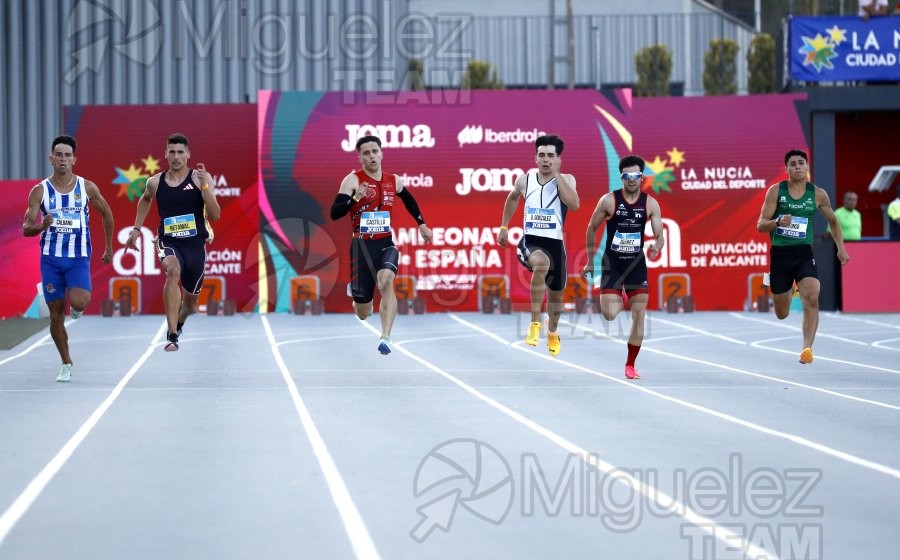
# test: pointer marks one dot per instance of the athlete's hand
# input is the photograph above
(588, 270)
(202, 175)
(843, 256)
(107, 256)
(360, 193)
(784, 221)
(426, 233)
(653, 251)
(503, 237)
(131, 242)
(46, 222)
(555, 165)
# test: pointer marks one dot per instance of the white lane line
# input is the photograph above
(860, 320)
(848, 457)
(759, 344)
(34, 345)
(753, 373)
(746, 372)
(696, 330)
(356, 530)
(819, 334)
(31, 493)
(880, 344)
(720, 532)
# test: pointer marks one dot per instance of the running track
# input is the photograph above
(290, 437)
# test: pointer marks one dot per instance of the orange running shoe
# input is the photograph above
(806, 357)
(631, 373)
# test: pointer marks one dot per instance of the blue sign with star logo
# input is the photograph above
(847, 48)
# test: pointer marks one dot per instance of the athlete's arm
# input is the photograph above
(31, 226)
(509, 208)
(602, 212)
(766, 222)
(143, 208)
(99, 203)
(413, 208)
(656, 225)
(349, 194)
(566, 185)
(210, 203)
(824, 206)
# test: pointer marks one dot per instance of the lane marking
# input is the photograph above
(23, 502)
(356, 530)
(698, 331)
(759, 344)
(709, 526)
(848, 457)
(819, 334)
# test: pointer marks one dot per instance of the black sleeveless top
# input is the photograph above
(625, 229)
(181, 210)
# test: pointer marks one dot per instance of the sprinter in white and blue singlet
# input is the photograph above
(186, 202)
(626, 212)
(62, 199)
(369, 194)
(549, 195)
(788, 215)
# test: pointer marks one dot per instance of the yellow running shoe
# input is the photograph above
(534, 333)
(806, 357)
(553, 343)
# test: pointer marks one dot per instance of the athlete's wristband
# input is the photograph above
(204, 187)
(504, 227)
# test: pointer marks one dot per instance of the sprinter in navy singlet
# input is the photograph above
(186, 202)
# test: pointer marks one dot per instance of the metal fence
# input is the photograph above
(93, 52)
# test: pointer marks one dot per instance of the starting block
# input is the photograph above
(219, 308)
(407, 300)
(305, 296)
(675, 285)
(758, 295)
(124, 297)
(213, 289)
(493, 294)
(577, 294)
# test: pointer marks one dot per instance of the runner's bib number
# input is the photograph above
(540, 218)
(375, 222)
(795, 230)
(180, 226)
(626, 242)
(66, 223)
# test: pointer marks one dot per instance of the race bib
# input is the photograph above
(66, 223)
(796, 229)
(180, 226)
(540, 218)
(626, 242)
(375, 222)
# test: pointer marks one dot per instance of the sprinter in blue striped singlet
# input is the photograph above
(61, 201)
(548, 195)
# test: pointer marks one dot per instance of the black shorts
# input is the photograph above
(620, 273)
(191, 255)
(367, 257)
(555, 250)
(789, 264)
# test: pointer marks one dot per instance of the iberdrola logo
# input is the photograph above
(662, 171)
(818, 51)
(133, 179)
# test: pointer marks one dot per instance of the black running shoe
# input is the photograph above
(172, 344)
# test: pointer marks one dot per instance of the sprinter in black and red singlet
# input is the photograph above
(626, 212)
(368, 195)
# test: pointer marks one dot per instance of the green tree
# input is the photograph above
(654, 66)
(720, 67)
(479, 75)
(761, 61)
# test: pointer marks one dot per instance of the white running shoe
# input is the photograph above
(65, 373)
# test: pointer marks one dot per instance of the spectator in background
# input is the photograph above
(893, 212)
(849, 218)
(868, 8)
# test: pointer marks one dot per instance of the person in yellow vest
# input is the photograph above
(788, 216)
(849, 218)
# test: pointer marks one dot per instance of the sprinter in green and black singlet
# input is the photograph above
(788, 216)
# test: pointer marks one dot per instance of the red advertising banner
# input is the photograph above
(709, 162)
(120, 147)
(856, 282)
(20, 260)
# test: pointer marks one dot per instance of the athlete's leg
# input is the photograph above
(554, 308)
(638, 316)
(388, 306)
(79, 298)
(809, 294)
(172, 291)
(189, 305)
(611, 305)
(58, 332)
(363, 310)
(540, 265)
(782, 304)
